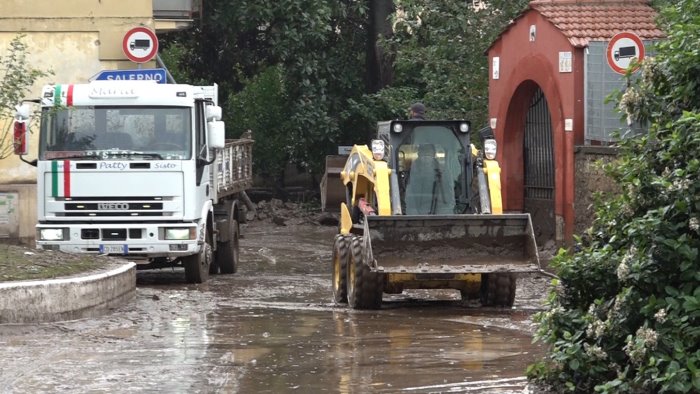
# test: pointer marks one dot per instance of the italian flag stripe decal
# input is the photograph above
(69, 98)
(57, 95)
(60, 179)
(58, 91)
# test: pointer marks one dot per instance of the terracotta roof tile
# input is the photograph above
(582, 21)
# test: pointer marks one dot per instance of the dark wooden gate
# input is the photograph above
(539, 168)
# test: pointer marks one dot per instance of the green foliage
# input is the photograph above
(317, 48)
(628, 305)
(262, 107)
(440, 50)
(16, 78)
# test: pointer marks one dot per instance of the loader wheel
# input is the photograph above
(227, 252)
(197, 266)
(364, 286)
(498, 289)
(341, 254)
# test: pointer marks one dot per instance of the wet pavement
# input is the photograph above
(272, 327)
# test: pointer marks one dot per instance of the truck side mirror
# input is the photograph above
(213, 112)
(216, 134)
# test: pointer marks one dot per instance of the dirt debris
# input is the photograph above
(283, 213)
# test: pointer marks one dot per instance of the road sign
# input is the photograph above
(140, 44)
(147, 74)
(622, 49)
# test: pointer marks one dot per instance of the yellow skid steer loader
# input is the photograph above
(423, 210)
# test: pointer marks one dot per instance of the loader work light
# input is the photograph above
(464, 127)
(378, 149)
(490, 148)
(398, 128)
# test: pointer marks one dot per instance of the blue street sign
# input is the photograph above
(150, 74)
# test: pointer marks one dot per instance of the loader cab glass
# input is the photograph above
(109, 133)
(430, 173)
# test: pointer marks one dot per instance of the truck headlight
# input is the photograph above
(180, 233)
(53, 234)
(490, 148)
(378, 149)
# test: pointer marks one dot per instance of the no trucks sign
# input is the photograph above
(140, 44)
(622, 49)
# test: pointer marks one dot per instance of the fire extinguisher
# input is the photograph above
(19, 140)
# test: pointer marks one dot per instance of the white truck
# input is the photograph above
(141, 170)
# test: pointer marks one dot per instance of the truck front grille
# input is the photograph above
(88, 207)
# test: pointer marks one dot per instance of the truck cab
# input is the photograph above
(136, 169)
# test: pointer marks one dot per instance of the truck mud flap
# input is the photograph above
(451, 244)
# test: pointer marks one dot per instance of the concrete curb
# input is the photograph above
(66, 298)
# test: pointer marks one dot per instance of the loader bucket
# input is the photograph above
(332, 188)
(453, 244)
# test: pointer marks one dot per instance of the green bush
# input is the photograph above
(625, 316)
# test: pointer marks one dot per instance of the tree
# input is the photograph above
(339, 65)
(626, 314)
(440, 51)
(16, 78)
(315, 47)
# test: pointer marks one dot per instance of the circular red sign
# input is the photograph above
(140, 44)
(622, 48)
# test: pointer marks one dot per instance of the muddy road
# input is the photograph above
(272, 327)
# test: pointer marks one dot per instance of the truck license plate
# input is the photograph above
(114, 249)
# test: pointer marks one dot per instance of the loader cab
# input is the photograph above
(433, 165)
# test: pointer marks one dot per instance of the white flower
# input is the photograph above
(660, 315)
(595, 351)
(648, 336)
(623, 270)
(596, 329)
(694, 224)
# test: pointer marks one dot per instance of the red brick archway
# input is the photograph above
(526, 76)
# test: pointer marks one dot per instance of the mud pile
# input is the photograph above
(283, 213)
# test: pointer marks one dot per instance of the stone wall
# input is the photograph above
(590, 178)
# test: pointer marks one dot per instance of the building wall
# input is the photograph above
(591, 179)
(525, 64)
(75, 39)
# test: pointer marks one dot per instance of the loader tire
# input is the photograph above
(341, 254)
(364, 286)
(498, 290)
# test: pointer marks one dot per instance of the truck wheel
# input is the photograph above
(341, 253)
(227, 252)
(364, 286)
(498, 289)
(197, 266)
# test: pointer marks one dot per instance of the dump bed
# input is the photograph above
(232, 172)
(332, 188)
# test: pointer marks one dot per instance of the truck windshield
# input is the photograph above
(109, 133)
(430, 159)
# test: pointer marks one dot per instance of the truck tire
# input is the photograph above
(498, 289)
(227, 252)
(364, 286)
(197, 266)
(341, 254)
